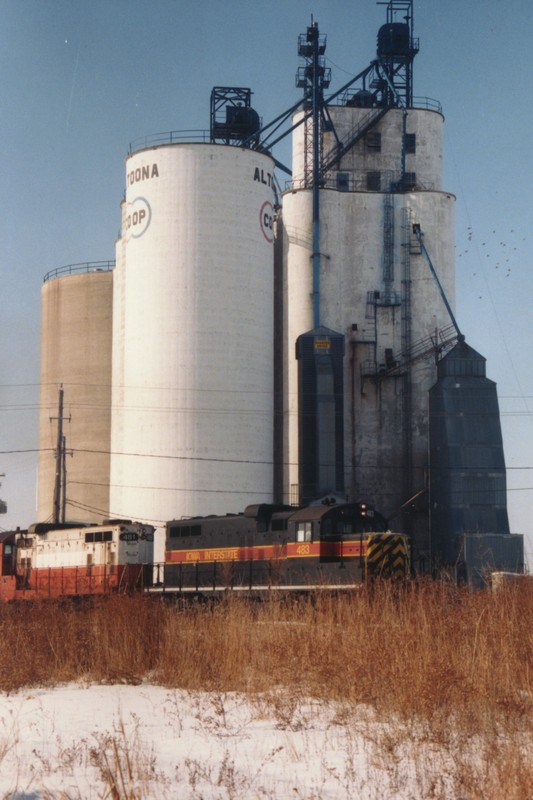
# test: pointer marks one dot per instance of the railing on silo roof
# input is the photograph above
(75, 269)
(168, 137)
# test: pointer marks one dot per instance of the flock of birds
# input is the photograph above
(503, 257)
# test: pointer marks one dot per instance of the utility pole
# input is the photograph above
(3, 505)
(64, 477)
(60, 483)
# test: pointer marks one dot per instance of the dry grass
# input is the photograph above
(426, 649)
(452, 668)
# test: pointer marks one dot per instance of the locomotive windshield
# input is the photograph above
(351, 519)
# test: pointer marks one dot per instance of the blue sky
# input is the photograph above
(80, 80)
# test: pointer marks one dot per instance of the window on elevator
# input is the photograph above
(373, 141)
(410, 143)
(373, 181)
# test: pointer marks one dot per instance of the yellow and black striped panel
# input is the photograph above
(387, 556)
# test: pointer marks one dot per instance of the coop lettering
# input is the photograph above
(136, 217)
(263, 177)
(142, 174)
(266, 217)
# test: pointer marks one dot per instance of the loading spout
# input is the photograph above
(420, 238)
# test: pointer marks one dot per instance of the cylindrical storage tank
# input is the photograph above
(76, 330)
(192, 429)
(393, 39)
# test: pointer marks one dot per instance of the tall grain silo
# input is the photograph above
(352, 264)
(192, 428)
(76, 330)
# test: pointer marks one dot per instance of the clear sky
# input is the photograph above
(81, 79)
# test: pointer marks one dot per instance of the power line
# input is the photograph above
(250, 492)
(241, 491)
(181, 389)
(233, 460)
(31, 450)
(112, 514)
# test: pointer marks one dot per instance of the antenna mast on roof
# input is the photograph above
(313, 78)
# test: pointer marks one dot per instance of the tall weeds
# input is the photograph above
(448, 672)
(418, 651)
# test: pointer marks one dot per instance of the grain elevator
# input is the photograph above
(366, 270)
(370, 161)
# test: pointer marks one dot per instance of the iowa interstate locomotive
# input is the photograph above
(336, 546)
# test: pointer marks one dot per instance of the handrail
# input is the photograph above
(434, 344)
(83, 266)
(429, 103)
(168, 137)
(390, 182)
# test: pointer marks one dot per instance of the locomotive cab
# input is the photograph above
(335, 523)
(350, 536)
(7, 564)
(13, 577)
(351, 519)
(7, 554)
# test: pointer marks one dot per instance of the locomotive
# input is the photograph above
(327, 545)
(52, 560)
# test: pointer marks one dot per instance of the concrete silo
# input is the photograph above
(192, 427)
(352, 264)
(76, 330)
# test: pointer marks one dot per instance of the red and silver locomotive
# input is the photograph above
(60, 560)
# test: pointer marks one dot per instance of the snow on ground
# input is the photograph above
(79, 742)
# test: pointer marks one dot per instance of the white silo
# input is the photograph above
(192, 425)
(380, 172)
(76, 330)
